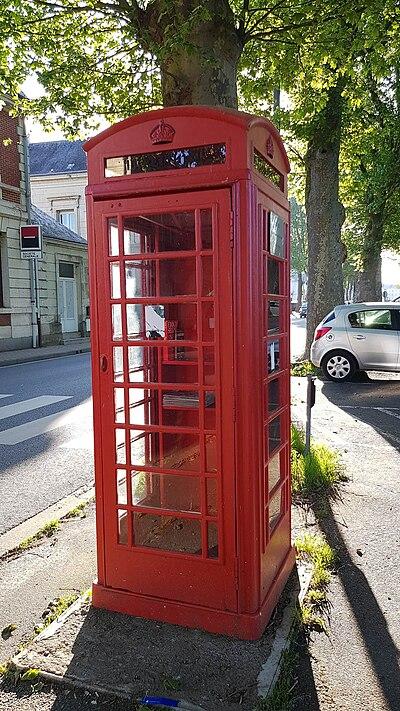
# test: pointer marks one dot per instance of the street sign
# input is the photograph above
(30, 237)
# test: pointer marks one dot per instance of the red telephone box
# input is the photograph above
(189, 246)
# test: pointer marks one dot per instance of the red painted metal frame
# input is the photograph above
(235, 593)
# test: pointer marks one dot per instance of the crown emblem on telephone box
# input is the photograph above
(162, 133)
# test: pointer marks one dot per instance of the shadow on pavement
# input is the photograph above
(368, 616)
(376, 402)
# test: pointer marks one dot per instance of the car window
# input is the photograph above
(330, 317)
(376, 319)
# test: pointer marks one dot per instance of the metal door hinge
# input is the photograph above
(231, 230)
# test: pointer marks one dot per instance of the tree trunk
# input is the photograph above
(299, 289)
(325, 214)
(369, 281)
(201, 66)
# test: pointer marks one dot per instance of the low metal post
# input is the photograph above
(310, 404)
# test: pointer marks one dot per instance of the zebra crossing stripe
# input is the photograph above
(20, 433)
(18, 408)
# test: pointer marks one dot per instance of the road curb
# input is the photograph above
(34, 357)
(12, 538)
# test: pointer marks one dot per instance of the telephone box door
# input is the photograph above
(164, 409)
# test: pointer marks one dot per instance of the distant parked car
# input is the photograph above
(356, 337)
(303, 310)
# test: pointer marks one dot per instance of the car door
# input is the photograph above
(374, 337)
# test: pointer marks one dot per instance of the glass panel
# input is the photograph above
(167, 533)
(120, 446)
(274, 435)
(209, 366)
(176, 277)
(276, 235)
(274, 510)
(122, 497)
(208, 322)
(115, 280)
(211, 487)
(273, 312)
(178, 364)
(122, 527)
(180, 408)
(137, 364)
(274, 471)
(206, 229)
(267, 170)
(118, 363)
(211, 453)
(209, 410)
(272, 276)
(66, 270)
(152, 321)
(119, 405)
(181, 451)
(379, 319)
(173, 159)
(166, 491)
(117, 322)
(207, 270)
(168, 232)
(140, 279)
(113, 244)
(212, 540)
(145, 448)
(273, 395)
(273, 356)
(138, 236)
(143, 407)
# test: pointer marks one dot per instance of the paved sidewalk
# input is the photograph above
(25, 355)
(357, 665)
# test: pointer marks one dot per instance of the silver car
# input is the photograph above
(358, 337)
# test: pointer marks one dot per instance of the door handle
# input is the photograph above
(359, 337)
(103, 363)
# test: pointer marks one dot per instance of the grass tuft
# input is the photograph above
(281, 698)
(319, 471)
(315, 550)
(302, 368)
(55, 609)
(78, 512)
(47, 531)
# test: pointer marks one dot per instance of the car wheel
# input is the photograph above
(339, 366)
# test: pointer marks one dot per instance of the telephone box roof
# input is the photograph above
(225, 115)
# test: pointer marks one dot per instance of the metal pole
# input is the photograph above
(310, 404)
(32, 262)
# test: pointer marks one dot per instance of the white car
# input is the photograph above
(358, 337)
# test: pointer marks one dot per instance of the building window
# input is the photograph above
(66, 270)
(67, 218)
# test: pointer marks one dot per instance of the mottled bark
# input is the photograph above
(369, 279)
(201, 67)
(325, 214)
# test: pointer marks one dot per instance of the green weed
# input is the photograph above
(78, 512)
(47, 531)
(281, 698)
(315, 550)
(302, 368)
(318, 471)
(55, 609)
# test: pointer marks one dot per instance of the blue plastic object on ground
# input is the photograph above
(169, 703)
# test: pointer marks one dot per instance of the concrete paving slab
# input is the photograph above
(130, 657)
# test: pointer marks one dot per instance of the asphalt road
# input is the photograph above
(46, 441)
